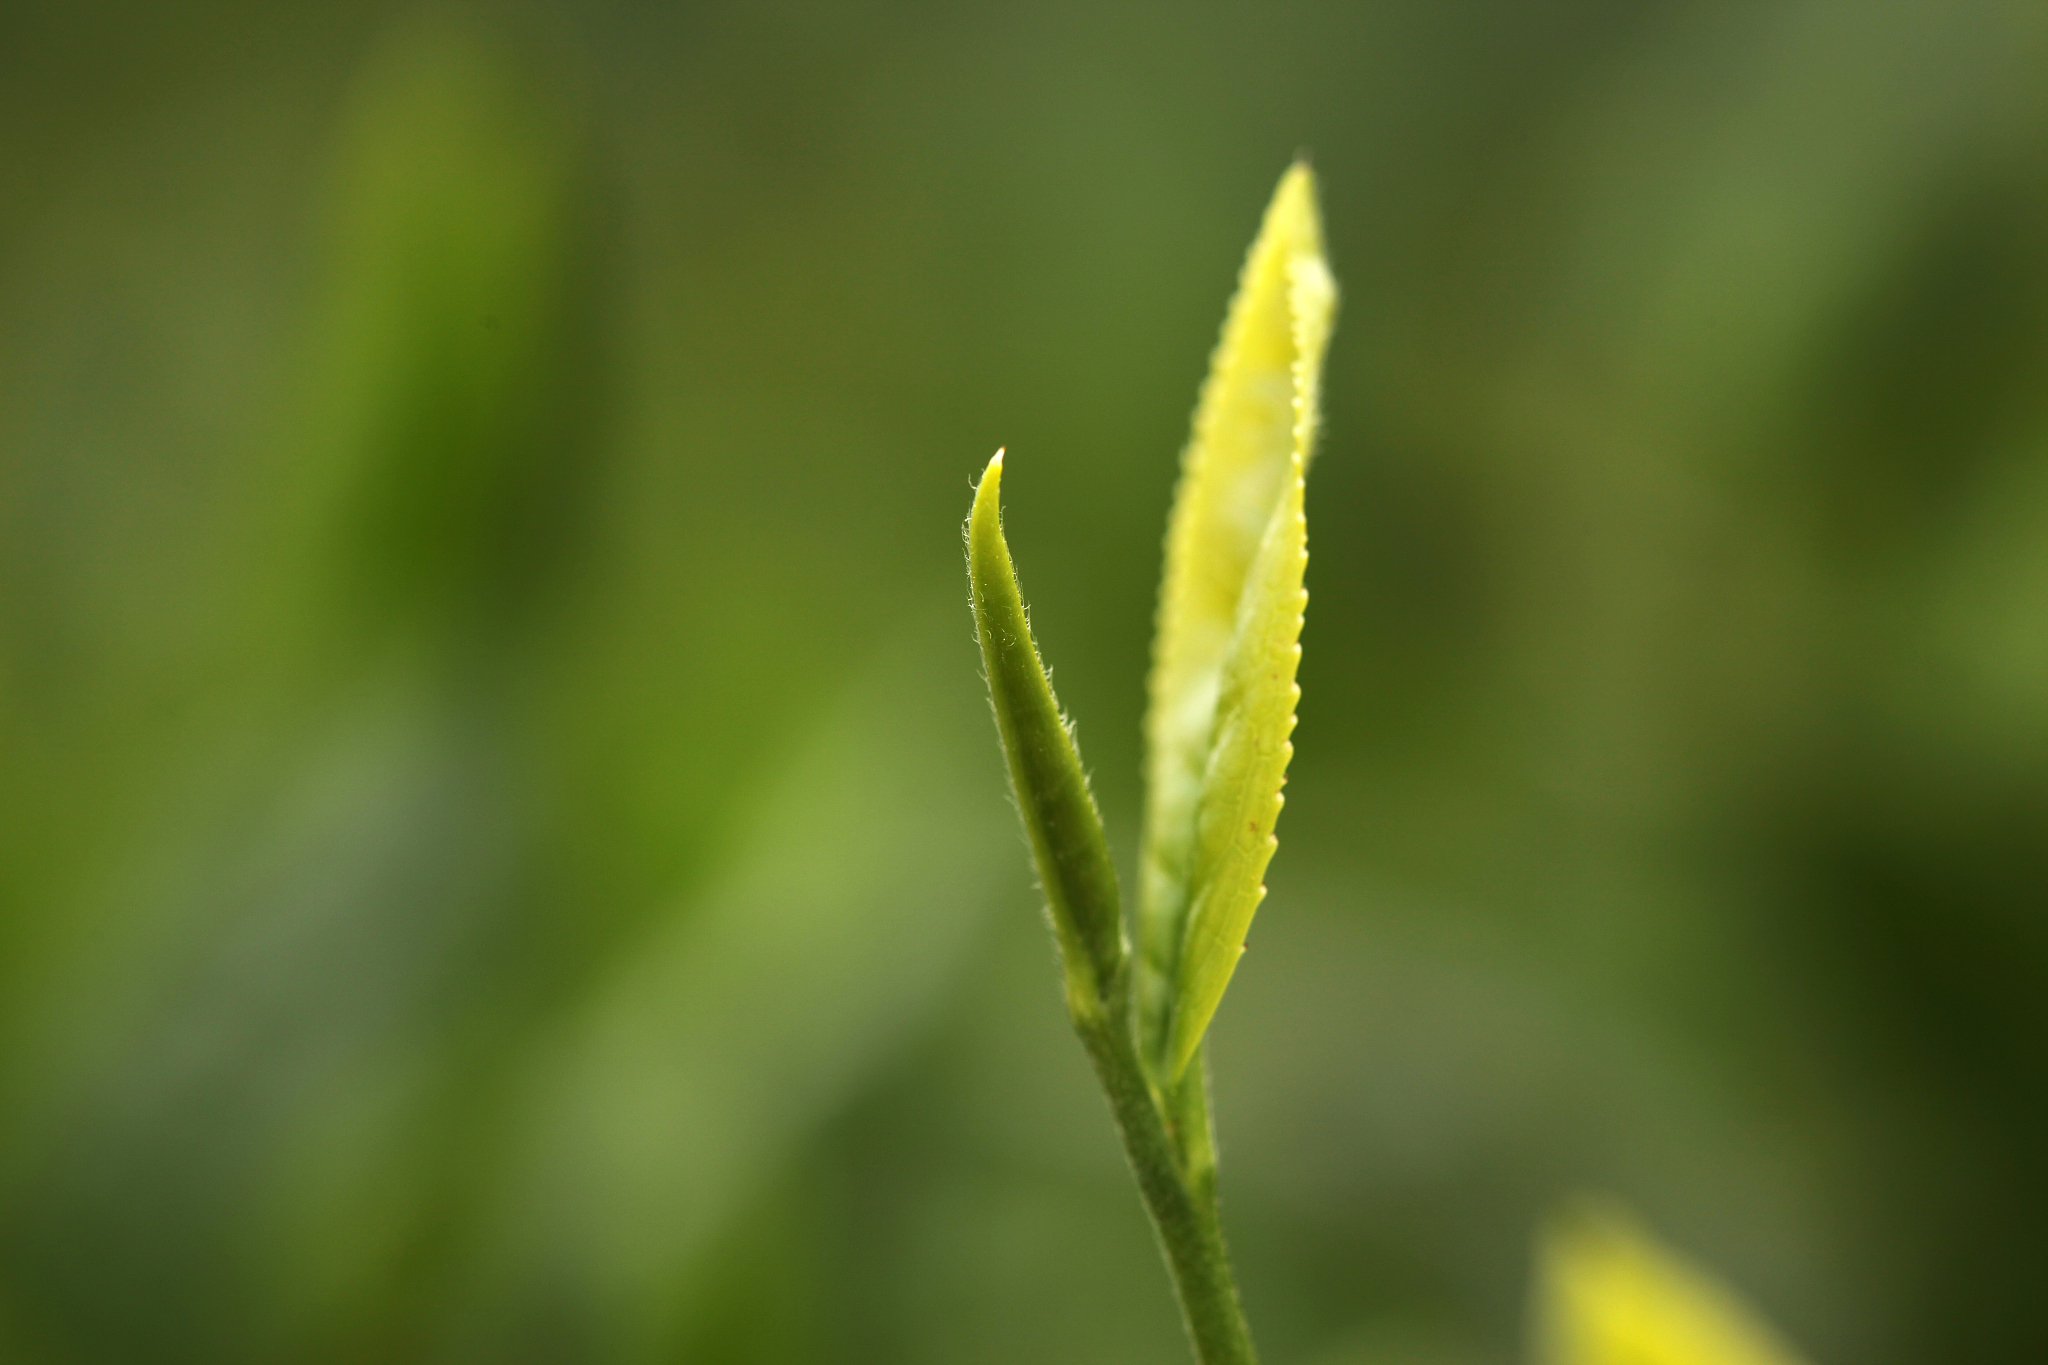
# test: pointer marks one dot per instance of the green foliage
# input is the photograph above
(501, 857)
(1222, 709)
(1223, 688)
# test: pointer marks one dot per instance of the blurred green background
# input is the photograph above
(503, 850)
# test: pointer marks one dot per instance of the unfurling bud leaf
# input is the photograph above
(1230, 612)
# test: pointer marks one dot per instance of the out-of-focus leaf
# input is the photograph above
(1609, 1295)
(448, 432)
(306, 908)
(1222, 688)
(691, 1073)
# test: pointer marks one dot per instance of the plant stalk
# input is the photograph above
(1173, 1158)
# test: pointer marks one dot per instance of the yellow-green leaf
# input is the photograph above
(1609, 1295)
(1230, 611)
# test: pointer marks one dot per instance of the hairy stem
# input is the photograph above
(1168, 1143)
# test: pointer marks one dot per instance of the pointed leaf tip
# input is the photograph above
(988, 490)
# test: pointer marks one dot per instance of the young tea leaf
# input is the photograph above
(1059, 814)
(1230, 611)
(1608, 1295)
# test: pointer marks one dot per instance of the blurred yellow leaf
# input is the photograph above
(1609, 1295)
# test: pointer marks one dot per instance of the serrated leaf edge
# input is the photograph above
(1227, 839)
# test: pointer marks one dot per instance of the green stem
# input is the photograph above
(1174, 1161)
